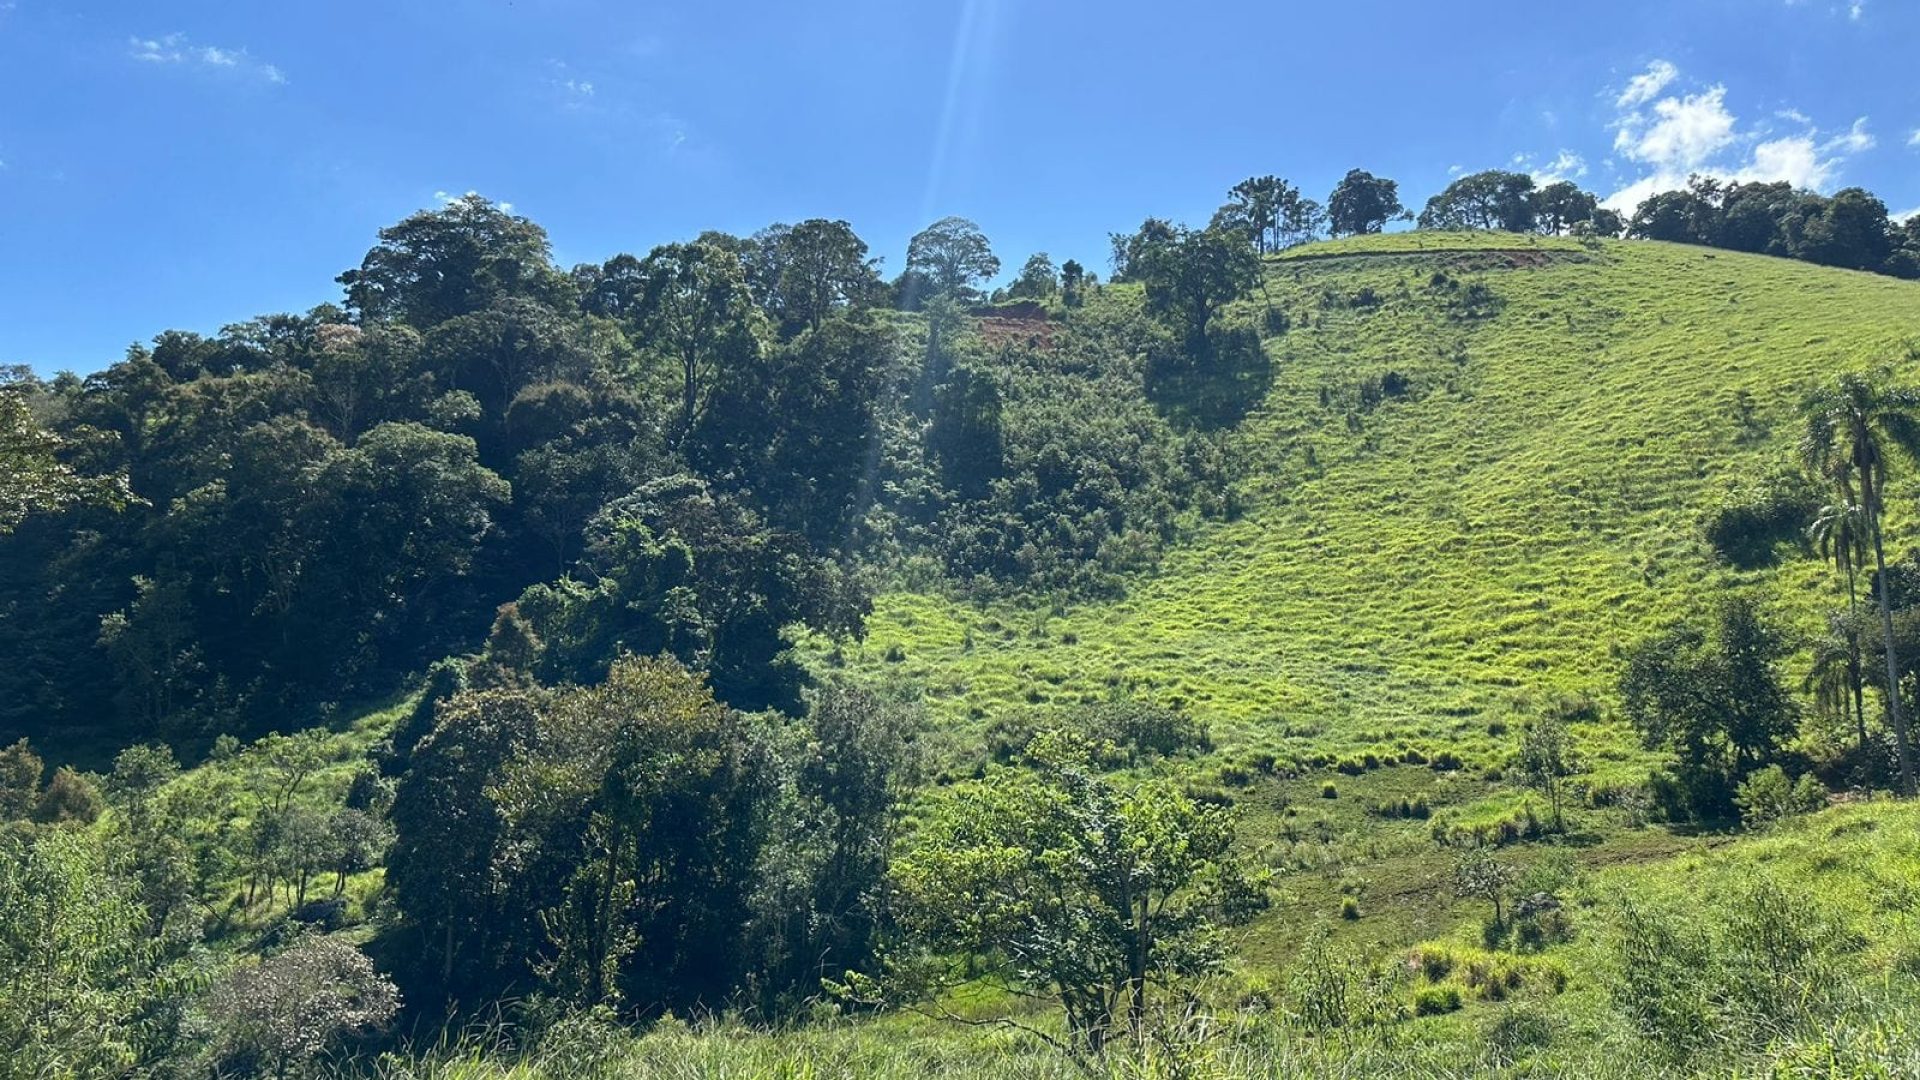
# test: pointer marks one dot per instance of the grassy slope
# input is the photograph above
(1460, 552)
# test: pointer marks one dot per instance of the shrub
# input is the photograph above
(69, 796)
(1329, 791)
(1767, 796)
(1659, 963)
(1751, 521)
(1233, 774)
(1319, 985)
(1436, 1000)
(1434, 962)
(1350, 908)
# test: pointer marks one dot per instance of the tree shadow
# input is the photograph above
(1210, 384)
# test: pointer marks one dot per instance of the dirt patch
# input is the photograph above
(999, 330)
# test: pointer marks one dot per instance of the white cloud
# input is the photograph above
(1914, 139)
(1854, 140)
(177, 49)
(1646, 85)
(1794, 159)
(1682, 134)
(1676, 136)
(1567, 165)
(1902, 215)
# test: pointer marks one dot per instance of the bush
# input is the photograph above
(69, 797)
(1350, 908)
(1768, 796)
(1329, 791)
(1436, 1000)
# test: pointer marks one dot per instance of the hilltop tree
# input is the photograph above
(953, 256)
(1301, 219)
(454, 261)
(1038, 279)
(1362, 203)
(807, 272)
(1127, 248)
(1853, 427)
(1264, 209)
(1073, 283)
(1561, 205)
(1485, 200)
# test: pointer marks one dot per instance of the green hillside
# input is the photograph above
(1216, 696)
(1417, 566)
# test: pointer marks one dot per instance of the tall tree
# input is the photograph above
(1038, 279)
(695, 307)
(1853, 427)
(1258, 206)
(1074, 886)
(1192, 275)
(1495, 199)
(954, 256)
(33, 477)
(1362, 203)
(1559, 206)
(811, 270)
(460, 259)
(1840, 534)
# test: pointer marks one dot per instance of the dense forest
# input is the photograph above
(479, 672)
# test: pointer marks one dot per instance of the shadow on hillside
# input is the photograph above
(1213, 386)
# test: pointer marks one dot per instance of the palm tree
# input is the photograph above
(1834, 679)
(1851, 427)
(1839, 533)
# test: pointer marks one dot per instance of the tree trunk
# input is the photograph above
(1853, 661)
(1137, 973)
(446, 953)
(1894, 708)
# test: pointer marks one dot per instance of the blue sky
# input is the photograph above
(193, 164)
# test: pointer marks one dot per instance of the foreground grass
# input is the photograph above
(1855, 867)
